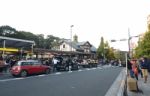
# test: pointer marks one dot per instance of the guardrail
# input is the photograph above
(119, 87)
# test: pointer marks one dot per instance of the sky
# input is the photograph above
(92, 19)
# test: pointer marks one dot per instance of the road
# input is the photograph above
(88, 82)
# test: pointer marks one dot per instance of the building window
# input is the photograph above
(64, 46)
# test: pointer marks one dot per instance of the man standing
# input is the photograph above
(55, 61)
(144, 67)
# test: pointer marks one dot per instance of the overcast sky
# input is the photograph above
(91, 18)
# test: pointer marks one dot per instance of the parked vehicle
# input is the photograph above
(88, 63)
(66, 64)
(26, 67)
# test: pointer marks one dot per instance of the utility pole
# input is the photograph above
(71, 37)
(129, 38)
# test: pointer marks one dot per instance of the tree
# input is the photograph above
(7, 31)
(110, 54)
(51, 41)
(41, 41)
(104, 51)
(143, 48)
(100, 50)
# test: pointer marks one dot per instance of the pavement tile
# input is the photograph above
(143, 87)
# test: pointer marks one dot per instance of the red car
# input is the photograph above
(26, 67)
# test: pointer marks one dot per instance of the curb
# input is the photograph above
(118, 87)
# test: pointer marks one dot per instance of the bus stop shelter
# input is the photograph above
(7, 44)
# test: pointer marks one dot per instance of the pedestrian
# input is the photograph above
(55, 62)
(140, 68)
(129, 65)
(12, 62)
(144, 66)
(47, 62)
(135, 68)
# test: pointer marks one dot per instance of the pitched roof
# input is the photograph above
(73, 44)
(77, 45)
(93, 48)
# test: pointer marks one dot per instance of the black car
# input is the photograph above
(66, 64)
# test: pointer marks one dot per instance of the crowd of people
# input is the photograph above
(8, 62)
(138, 66)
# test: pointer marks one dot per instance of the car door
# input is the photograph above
(32, 68)
(38, 67)
(28, 67)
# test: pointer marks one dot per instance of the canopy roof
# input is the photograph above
(15, 43)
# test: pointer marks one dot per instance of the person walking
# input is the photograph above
(144, 66)
(140, 68)
(135, 68)
(129, 65)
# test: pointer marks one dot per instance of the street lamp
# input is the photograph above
(4, 47)
(71, 36)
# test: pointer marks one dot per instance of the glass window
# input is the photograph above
(25, 63)
(64, 46)
(36, 63)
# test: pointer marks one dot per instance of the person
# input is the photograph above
(129, 65)
(12, 62)
(1, 65)
(144, 66)
(55, 62)
(135, 68)
(119, 63)
(47, 62)
(140, 69)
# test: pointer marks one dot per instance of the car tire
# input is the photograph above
(47, 71)
(23, 73)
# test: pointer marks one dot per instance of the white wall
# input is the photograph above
(67, 47)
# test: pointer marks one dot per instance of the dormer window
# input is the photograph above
(64, 46)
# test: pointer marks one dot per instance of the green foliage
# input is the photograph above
(143, 48)
(39, 39)
(120, 55)
(100, 50)
(104, 51)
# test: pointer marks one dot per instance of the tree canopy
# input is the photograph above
(143, 48)
(41, 42)
(104, 51)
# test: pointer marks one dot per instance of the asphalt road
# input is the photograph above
(89, 82)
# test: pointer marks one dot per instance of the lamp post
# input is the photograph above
(4, 45)
(70, 45)
(71, 37)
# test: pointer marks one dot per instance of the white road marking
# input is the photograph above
(87, 69)
(69, 71)
(100, 68)
(58, 73)
(11, 79)
(41, 75)
(93, 68)
(80, 70)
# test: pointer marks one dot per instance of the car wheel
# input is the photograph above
(47, 71)
(23, 73)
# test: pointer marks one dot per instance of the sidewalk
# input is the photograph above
(143, 87)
